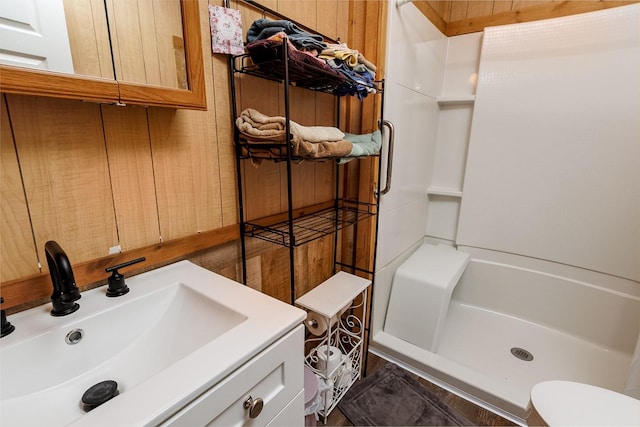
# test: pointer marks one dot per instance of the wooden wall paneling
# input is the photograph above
(66, 177)
(250, 14)
(327, 18)
(313, 264)
(261, 186)
(326, 105)
(30, 291)
(380, 59)
(303, 111)
(438, 15)
(479, 8)
(501, 6)
(352, 110)
(303, 12)
(343, 21)
(371, 22)
(458, 10)
(441, 7)
(254, 273)
(259, 94)
(18, 256)
(185, 161)
(223, 124)
(184, 146)
(89, 38)
(271, 4)
(302, 103)
(329, 23)
(275, 273)
(324, 172)
(303, 185)
(370, 48)
(456, 17)
(262, 189)
(523, 4)
(131, 170)
(302, 267)
(542, 10)
(381, 63)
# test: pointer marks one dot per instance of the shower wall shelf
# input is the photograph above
(335, 349)
(444, 191)
(452, 143)
(452, 101)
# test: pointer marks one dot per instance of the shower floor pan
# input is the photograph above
(474, 359)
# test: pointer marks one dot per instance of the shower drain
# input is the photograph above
(522, 354)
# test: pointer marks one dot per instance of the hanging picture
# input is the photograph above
(226, 30)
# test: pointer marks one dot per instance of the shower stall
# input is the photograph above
(518, 146)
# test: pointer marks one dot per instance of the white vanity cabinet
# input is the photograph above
(276, 376)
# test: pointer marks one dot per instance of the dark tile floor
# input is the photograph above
(472, 412)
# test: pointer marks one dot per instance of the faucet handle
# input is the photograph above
(117, 285)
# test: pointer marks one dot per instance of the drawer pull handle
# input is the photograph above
(254, 406)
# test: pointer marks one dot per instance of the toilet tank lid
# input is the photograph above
(567, 403)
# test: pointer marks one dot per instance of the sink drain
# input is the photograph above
(74, 336)
(522, 354)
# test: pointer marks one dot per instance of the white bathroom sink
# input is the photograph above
(178, 331)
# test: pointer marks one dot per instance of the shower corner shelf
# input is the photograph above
(341, 302)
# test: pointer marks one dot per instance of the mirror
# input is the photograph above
(141, 52)
(65, 36)
(133, 41)
(148, 42)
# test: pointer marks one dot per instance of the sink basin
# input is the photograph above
(178, 331)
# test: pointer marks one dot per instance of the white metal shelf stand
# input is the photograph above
(340, 302)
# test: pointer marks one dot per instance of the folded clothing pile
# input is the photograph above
(264, 52)
(360, 72)
(356, 74)
(262, 29)
(314, 142)
(308, 142)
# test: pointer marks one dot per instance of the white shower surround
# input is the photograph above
(553, 169)
(459, 363)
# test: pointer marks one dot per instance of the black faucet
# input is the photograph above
(7, 327)
(65, 291)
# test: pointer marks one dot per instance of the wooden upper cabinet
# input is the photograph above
(147, 52)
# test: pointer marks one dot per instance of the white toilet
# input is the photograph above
(566, 403)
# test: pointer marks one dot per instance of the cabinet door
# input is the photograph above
(291, 414)
(276, 376)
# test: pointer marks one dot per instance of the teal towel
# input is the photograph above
(363, 145)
